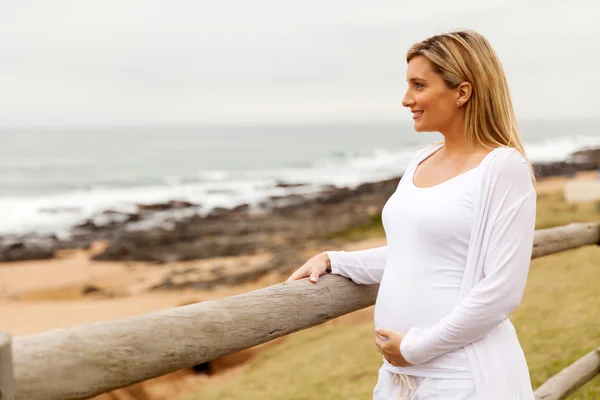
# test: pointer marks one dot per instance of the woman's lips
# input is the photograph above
(417, 114)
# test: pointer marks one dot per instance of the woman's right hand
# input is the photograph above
(313, 268)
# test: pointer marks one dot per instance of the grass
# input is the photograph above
(373, 228)
(557, 322)
(329, 362)
(553, 210)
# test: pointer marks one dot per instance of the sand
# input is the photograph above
(554, 184)
(36, 296)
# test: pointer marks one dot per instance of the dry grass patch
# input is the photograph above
(558, 321)
(325, 362)
(553, 210)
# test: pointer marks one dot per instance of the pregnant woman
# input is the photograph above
(459, 232)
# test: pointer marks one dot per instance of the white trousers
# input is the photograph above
(391, 386)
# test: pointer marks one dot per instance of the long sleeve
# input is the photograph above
(362, 266)
(505, 269)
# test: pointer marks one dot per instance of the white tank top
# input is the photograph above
(428, 232)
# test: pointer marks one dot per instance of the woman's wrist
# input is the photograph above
(327, 262)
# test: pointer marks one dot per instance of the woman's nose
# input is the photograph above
(407, 101)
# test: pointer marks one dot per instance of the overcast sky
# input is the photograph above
(149, 62)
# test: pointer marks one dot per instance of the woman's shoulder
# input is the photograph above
(508, 167)
(503, 158)
(509, 154)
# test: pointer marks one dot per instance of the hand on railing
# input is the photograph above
(313, 268)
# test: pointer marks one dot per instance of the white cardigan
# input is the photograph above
(498, 258)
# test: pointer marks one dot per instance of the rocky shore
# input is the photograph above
(281, 225)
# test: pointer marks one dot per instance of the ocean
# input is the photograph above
(51, 179)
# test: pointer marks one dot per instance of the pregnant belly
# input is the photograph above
(404, 303)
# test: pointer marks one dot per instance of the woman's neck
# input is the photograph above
(455, 142)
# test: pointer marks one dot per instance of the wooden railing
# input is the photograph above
(86, 360)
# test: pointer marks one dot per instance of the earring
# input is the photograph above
(458, 103)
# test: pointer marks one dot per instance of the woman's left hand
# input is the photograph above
(388, 344)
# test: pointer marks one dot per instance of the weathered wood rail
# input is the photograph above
(7, 381)
(567, 381)
(86, 360)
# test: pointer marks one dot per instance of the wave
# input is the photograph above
(559, 149)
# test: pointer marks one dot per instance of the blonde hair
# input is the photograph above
(466, 56)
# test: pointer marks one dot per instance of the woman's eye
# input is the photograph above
(418, 85)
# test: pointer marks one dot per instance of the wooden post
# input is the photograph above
(7, 381)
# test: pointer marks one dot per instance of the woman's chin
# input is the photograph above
(418, 127)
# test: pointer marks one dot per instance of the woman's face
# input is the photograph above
(434, 106)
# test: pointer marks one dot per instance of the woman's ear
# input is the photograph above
(464, 93)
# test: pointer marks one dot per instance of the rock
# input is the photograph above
(582, 160)
(173, 204)
(242, 208)
(285, 222)
(218, 212)
(591, 155)
(77, 240)
(121, 216)
(88, 289)
(88, 224)
(196, 281)
(284, 185)
(27, 248)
